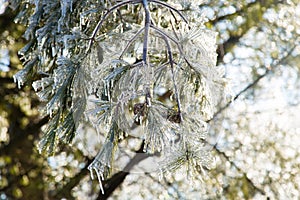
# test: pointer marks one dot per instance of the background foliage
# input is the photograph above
(254, 139)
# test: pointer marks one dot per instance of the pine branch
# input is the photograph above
(171, 62)
(161, 32)
(116, 180)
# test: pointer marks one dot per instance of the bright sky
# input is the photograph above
(3, 5)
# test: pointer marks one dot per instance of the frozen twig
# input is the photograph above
(145, 48)
(171, 62)
(98, 26)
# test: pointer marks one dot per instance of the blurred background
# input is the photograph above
(255, 138)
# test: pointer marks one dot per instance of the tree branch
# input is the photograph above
(251, 85)
(235, 14)
(258, 189)
(65, 191)
(253, 14)
(99, 24)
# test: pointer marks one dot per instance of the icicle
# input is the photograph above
(102, 162)
(160, 175)
(81, 21)
(148, 102)
(54, 51)
(36, 3)
(111, 83)
(146, 146)
(71, 5)
(65, 50)
(98, 176)
(20, 77)
(65, 4)
(36, 86)
(107, 89)
(49, 111)
(18, 80)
